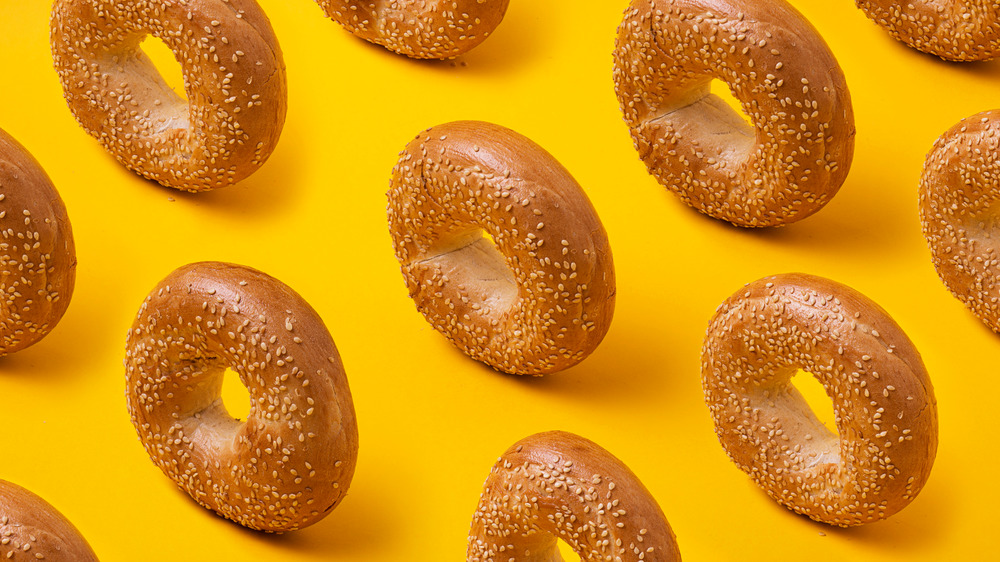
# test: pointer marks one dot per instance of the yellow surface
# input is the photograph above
(431, 421)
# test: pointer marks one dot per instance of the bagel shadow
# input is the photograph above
(983, 69)
(516, 39)
(58, 356)
(630, 365)
(354, 529)
(852, 226)
(889, 536)
(273, 187)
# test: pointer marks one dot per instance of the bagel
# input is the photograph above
(883, 401)
(418, 29)
(957, 30)
(796, 154)
(540, 297)
(959, 191)
(234, 80)
(37, 255)
(292, 460)
(557, 485)
(31, 529)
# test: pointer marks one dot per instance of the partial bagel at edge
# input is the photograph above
(32, 530)
(955, 30)
(793, 157)
(558, 485)
(37, 253)
(422, 30)
(959, 193)
(234, 80)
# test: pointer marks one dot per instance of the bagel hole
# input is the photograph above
(818, 400)
(710, 117)
(722, 91)
(166, 65)
(473, 262)
(235, 396)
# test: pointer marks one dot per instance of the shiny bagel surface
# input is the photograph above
(234, 81)
(423, 29)
(886, 413)
(957, 30)
(537, 299)
(558, 485)
(959, 192)
(795, 153)
(32, 530)
(291, 462)
(37, 253)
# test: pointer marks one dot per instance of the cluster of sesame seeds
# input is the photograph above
(37, 255)
(959, 203)
(796, 155)
(883, 400)
(540, 297)
(557, 485)
(424, 29)
(292, 460)
(234, 78)
(958, 30)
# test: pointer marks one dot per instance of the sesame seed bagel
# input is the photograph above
(797, 152)
(540, 297)
(435, 29)
(886, 414)
(291, 462)
(234, 80)
(31, 529)
(958, 30)
(37, 255)
(959, 193)
(557, 485)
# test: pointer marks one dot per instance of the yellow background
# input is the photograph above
(431, 421)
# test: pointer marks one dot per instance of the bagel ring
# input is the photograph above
(31, 529)
(291, 462)
(422, 30)
(539, 298)
(558, 485)
(956, 30)
(797, 152)
(36, 250)
(959, 193)
(883, 401)
(234, 79)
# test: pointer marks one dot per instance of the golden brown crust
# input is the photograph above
(959, 194)
(958, 30)
(422, 29)
(797, 153)
(31, 530)
(545, 300)
(557, 485)
(234, 79)
(884, 403)
(37, 255)
(292, 461)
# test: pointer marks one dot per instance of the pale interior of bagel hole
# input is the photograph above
(156, 81)
(710, 115)
(807, 418)
(471, 259)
